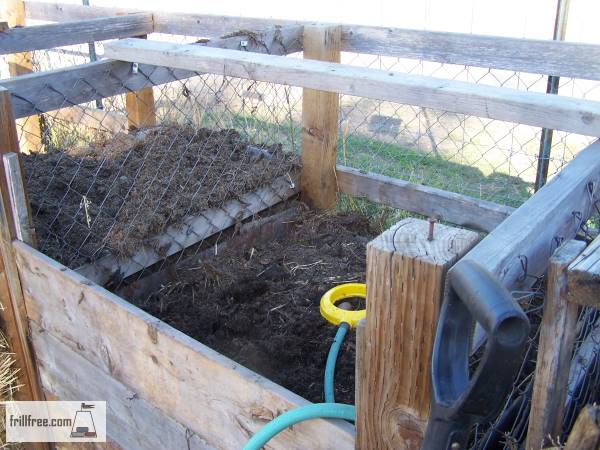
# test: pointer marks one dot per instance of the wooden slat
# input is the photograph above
(132, 422)
(194, 229)
(584, 277)
(566, 59)
(62, 88)
(557, 336)
(530, 108)
(459, 209)
(528, 237)
(18, 199)
(320, 118)
(218, 400)
(405, 281)
(55, 89)
(68, 33)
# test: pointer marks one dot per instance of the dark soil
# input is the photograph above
(117, 193)
(260, 306)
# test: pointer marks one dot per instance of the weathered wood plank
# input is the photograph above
(193, 230)
(584, 277)
(455, 208)
(405, 283)
(518, 250)
(62, 88)
(320, 118)
(18, 199)
(132, 421)
(55, 89)
(530, 108)
(566, 59)
(68, 33)
(218, 400)
(557, 336)
(206, 25)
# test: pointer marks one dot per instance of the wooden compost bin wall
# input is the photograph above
(163, 389)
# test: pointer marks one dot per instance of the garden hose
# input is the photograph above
(331, 361)
(329, 410)
(287, 419)
(345, 319)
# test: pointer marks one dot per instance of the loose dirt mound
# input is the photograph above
(116, 194)
(261, 307)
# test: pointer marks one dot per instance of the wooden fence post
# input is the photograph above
(405, 279)
(320, 115)
(14, 316)
(557, 337)
(13, 11)
(140, 108)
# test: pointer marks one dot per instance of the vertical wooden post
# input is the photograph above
(557, 336)
(405, 279)
(140, 107)
(13, 11)
(320, 115)
(14, 316)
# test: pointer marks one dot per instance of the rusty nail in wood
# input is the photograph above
(432, 220)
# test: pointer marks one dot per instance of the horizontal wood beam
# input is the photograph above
(46, 91)
(68, 33)
(215, 398)
(62, 88)
(547, 57)
(512, 105)
(584, 277)
(206, 25)
(450, 207)
(519, 249)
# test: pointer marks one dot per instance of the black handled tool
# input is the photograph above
(459, 400)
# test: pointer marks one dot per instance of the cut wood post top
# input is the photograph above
(508, 104)
(409, 238)
(405, 283)
(584, 277)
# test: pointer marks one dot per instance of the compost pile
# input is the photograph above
(260, 306)
(116, 194)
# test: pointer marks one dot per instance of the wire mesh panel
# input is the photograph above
(208, 152)
(480, 157)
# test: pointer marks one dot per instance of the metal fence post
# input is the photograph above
(560, 31)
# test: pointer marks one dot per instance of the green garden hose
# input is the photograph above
(328, 382)
(287, 419)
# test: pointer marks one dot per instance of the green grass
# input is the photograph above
(430, 169)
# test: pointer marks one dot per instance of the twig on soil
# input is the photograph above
(296, 267)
